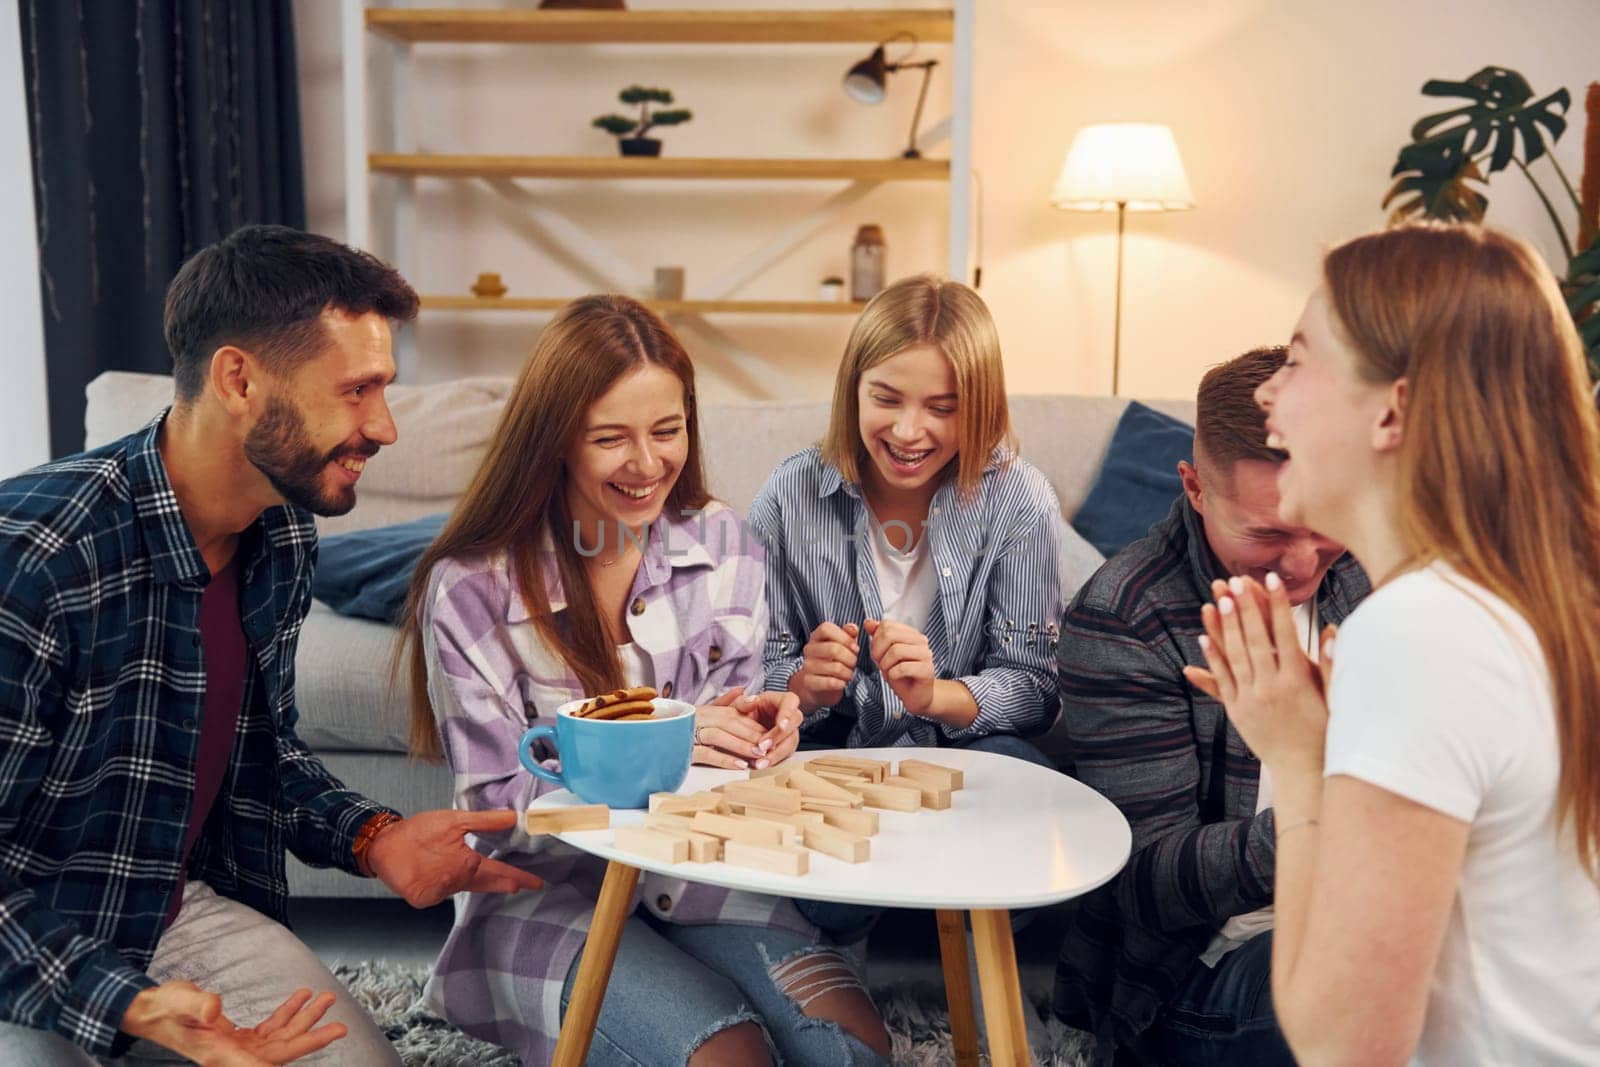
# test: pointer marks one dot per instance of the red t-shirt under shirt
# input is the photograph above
(227, 660)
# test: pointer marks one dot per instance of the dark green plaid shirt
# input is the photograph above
(102, 687)
(1167, 756)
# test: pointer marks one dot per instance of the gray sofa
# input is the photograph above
(353, 715)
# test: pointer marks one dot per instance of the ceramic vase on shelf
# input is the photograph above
(867, 263)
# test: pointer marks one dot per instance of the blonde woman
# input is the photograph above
(586, 555)
(911, 556)
(1437, 790)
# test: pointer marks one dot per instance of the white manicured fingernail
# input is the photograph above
(1237, 585)
(761, 764)
(1274, 583)
(1225, 605)
(1205, 643)
(741, 764)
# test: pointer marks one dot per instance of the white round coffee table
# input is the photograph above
(1015, 836)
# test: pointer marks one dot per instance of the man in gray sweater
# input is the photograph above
(1170, 962)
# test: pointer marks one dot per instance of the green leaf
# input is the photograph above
(616, 124)
(1441, 187)
(639, 94)
(1585, 262)
(671, 118)
(1500, 110)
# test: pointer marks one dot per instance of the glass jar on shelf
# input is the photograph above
(868, 264)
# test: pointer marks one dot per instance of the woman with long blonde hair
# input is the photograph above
(588, 555)
(912, 555)
(1437, 789)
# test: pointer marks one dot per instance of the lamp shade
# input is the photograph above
(1132, 163)
(868, 81)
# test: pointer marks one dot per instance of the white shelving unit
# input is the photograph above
(393, 149)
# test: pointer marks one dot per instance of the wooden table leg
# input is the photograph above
(958, 987)
(594, 970)
(1002, 989)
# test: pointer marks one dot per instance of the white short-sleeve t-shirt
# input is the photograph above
(1441, 694)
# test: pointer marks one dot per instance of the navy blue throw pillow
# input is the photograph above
(1138, 481)
(367, 573)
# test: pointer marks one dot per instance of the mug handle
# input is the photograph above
(525, 753)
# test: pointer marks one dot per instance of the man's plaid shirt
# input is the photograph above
(102, 685)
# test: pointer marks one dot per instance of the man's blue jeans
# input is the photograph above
(1224, 1014)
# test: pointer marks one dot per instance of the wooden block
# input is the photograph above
(560, 820)
(761, 795)
(873, 769)
(839, 777)
(812, 786)
(891, 797)
(844, 759)
(778, 775)
(788, 834)
(703, 848)
(860, 823)
(654, 844)
(663, 821)
(932, 796)
(676, 804)
(799, 819)
(804, 818)
(819, 804)
(734, 828)
(774, 860)
(941, 776)
(840, 844)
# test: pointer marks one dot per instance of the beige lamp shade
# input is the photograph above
(1131, 163)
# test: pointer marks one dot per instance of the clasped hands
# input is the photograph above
(1275, 696)
(740, 731)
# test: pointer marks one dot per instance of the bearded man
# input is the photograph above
(151, 598)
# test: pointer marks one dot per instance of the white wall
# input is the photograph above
(24, 420)
(1288, 114)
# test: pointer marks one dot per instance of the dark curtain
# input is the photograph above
(158, 127)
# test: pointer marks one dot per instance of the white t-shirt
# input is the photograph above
(637, 669)
(1441, 694)
(1241, 928)
(906, 583)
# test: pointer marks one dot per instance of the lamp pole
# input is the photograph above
(1116, 336)
(927, 66)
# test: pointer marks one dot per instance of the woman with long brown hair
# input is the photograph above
(1438, 789)
(585, 556)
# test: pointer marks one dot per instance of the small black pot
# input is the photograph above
(639, 146)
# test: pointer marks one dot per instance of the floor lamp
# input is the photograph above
(1122, 167)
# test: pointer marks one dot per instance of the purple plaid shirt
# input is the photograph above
(697, 611)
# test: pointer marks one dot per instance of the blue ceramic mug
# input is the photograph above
(618, 764)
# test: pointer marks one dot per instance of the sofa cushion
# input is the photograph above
(445, 426)
(343, 685)
(1138, 481)
(367, 573)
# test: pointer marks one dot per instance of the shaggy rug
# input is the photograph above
(918, 1024)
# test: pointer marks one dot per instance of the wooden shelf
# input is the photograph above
(661, 307)
(661, 27)
(476, 166)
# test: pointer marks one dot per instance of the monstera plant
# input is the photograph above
(1443, 172)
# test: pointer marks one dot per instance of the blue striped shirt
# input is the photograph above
(993, 624)
(102, 691)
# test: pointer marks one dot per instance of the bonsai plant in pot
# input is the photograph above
(631, 133)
